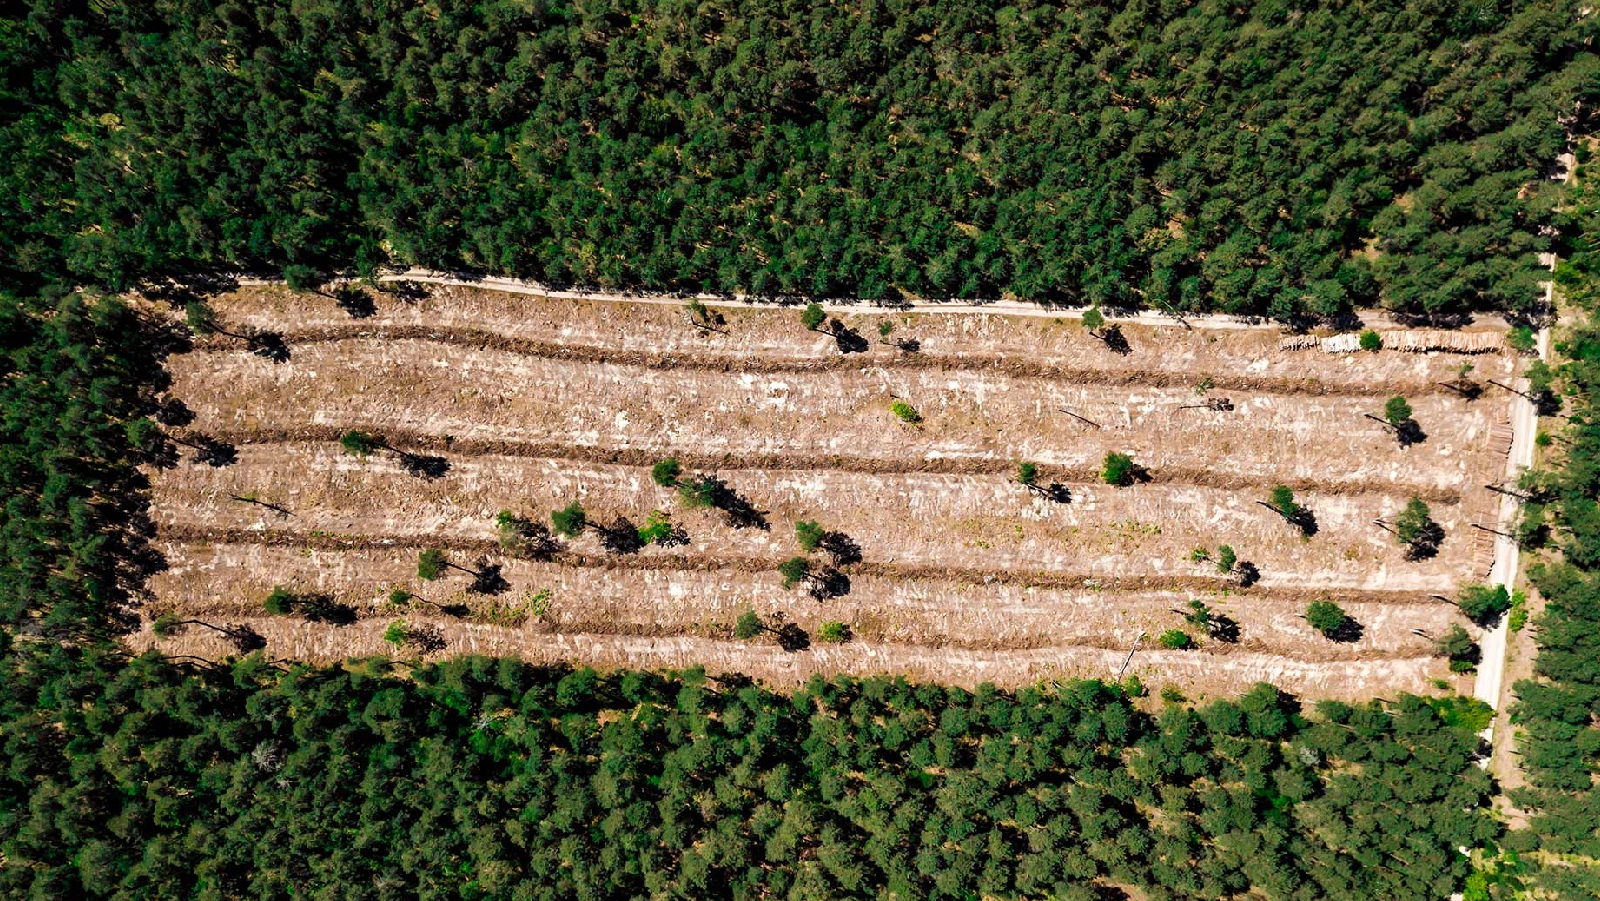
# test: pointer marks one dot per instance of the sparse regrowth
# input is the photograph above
(1117, 469)
(281, 601)
(747, 626)
(1483, 604)
(809, 534)
(1226, 558)
(1176, 640)
(1459, 647)
(656, 529)
(431, 564)
(1415, 526)
(833, 632)
(570, 520)
(1396, 411)
(794, 571)
(1327, 617)
(1027, 474)
(812, 316)
(1281, 500)
(666, 473)
(360, 444)
(698, 492)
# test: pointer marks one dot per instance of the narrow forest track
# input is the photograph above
(997, 307)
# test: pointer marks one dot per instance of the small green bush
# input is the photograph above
(1176, 640)
(1118, 469)
(1326, 617)
(833, 632)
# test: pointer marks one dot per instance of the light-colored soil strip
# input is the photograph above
(985, 522)
(932, 613)
(757, 331)
(1200, 674)
(498, 397)
(489, 550)
(734, 361)
(1073, 476)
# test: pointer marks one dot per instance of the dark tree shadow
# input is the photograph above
(828, 583)
(1115, 341)
(1347, 632)
(322, 608)
(487, 579)
(268, 345)
(1465, 388)
(677, 537)
(355, 301)
(732, 681)
(173, 413)
(1437, 319)
(539, 543)
(405, 292)
(792, 638)
(841, 547)
(1055, 493)
(144, 560)
(243, 638)
(214, 453)
(1408, 432)
(1247, 573)
(1427, 544)
(848, 340)
(1224, 628)
(424, 466)
(621, 537)
(736, 510)
(161, 454)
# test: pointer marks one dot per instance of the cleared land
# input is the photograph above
(965, 577)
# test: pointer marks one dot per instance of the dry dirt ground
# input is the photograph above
(966, 576)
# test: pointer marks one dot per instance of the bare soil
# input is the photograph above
(439, 390)
(966, 577)
(762, 332)
(975, 522)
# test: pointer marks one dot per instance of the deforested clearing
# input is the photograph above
(941, 561)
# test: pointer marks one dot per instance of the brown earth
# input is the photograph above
(767, 333)
(491, 395)
(967, 576)
(980, 522)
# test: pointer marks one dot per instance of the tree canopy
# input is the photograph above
(1268, 157)
(370, 781)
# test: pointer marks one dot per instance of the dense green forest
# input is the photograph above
(1559, 709)
(1276, 157)
(480, 778)
(1266, 157)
